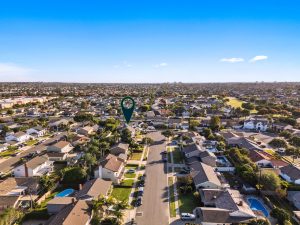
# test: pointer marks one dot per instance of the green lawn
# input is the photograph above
(177, 155)
(127, 182)
(31, 142)
(187, 202)
(236, 103)
(129, 175)
(136, 156)
(131, 166)
(172, 207)
(7, 153)
(121, 193)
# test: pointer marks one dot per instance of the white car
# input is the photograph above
(187, 216)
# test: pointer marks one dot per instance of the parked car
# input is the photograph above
(131, 171)
(141, 190)
(139, 201)
(187, 216)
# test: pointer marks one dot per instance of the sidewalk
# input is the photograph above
(173, 175)
(130, 213)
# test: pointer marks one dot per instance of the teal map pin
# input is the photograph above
(127, 105)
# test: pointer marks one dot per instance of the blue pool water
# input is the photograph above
(257, 205)
(65, 193)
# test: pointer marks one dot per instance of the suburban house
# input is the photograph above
(204, 176)
(38, 131)
(10, 201)
(262, 159)
(56, 124)
(78, 212)
(294, 198)
(18, 137)
(61, 146)
(36, 167)
(290, 173)
(174, 123)
(120, 148)
(3, 147)
(242, 142)
(13, 190)
(192, 150)
(223, 207)
(80, 140)
(87, 130)
(92, 189)
(111, 168)
(256, 123)
(208, 158)
(55, 205)
(18, 186)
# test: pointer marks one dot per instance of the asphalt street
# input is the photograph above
(154, 210)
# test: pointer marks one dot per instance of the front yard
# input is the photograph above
(187, 202)
(172, 206)
(177, 154)
(31, 142)
(136, 156)
(121, 193)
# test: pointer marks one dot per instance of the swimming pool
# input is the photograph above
(223, 160)
(257, 205)
(65, 193)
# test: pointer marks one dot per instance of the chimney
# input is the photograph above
(80, 187)
(240, 203)
(26, 169)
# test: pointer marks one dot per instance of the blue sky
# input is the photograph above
(149, 41)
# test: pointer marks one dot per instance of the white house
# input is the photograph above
(256, 123)
(38, 131)
(18, 137)
(3, 147)
(35, 167)
(61, 147)
(112, 168)
(290, 173)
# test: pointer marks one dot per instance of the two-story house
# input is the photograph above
(36, 167)
(111, 168)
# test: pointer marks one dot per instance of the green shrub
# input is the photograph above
(281, 215)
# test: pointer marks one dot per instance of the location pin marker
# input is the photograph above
(127, 105)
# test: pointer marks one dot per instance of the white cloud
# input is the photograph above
(13, 72)
(258, 58)
(232, 60)
(163, 64)
(13, 69)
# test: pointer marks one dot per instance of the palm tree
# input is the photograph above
(119, 215)
(121, 205)
(97, 205)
